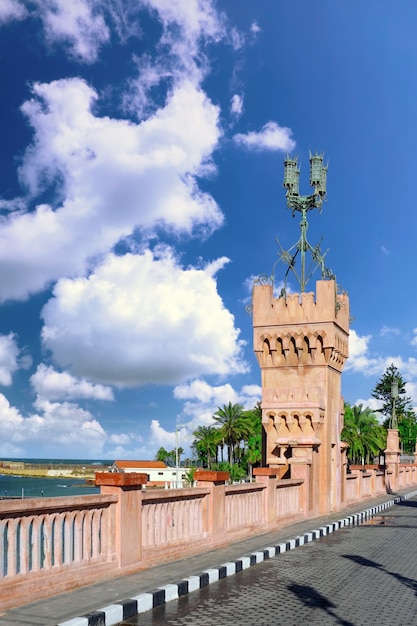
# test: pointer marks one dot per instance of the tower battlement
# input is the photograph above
(301, 330)
(327, 306)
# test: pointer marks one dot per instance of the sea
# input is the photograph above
(28, 487)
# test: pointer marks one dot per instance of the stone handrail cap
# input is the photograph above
(211, 476)
(119, 479)
(266, 471)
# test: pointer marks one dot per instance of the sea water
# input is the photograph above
(28, 487)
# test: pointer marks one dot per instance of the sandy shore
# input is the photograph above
(87, 473)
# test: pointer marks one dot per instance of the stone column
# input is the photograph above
(128, 518)
(268, 476)
(392, 459)
(301, 462)
(216, 506)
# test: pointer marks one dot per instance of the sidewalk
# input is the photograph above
(109, 602)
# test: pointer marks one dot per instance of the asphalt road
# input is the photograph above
(359, 576)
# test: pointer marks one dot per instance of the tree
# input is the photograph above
(162, 455)
(407, 431)
(363, 433)
(234, 427)
(253, 455)
(382, 391)
(206, 443)
(169, 457)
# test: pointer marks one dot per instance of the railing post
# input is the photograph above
(392, 458)
(216, 512)
(268, 476)
(128, 519)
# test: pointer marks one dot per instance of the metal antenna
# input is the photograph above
(303, 204)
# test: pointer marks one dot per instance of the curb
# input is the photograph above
(113, 614)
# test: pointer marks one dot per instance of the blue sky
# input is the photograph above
(141, 165)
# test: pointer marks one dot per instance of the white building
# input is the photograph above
(159, 474)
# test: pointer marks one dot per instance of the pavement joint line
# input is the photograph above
(113, 614)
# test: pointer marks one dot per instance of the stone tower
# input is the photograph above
(301, 343)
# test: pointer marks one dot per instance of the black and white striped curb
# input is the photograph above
(115, 613)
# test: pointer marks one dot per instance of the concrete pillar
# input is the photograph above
(268, 476)
(128, 518)
(392, 459)
(216, 505)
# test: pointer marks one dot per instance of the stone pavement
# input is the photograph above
(362, 575)
(113, 601)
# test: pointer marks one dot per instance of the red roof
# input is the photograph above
(140, 464)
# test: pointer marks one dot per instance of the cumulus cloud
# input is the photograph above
(140, 319)
(52, 385)
(55, 429)
(117, 176)
(9, 358)
(201, 400)
(11, 10)
(271, 137)
(362, 360)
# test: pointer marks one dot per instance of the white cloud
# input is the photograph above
(196, 19)
(117, 176)
(371, 403)
(386, 330)
(139, 319)
(359, 358)
(202, 400)
(414, 339)
(254, 28)
(76, 24)
(52, 385)
(271, 137)
(57, 428)
(12, 10)
(236, 105)
(363, 361)
(9, 353)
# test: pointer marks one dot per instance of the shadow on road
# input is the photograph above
(360, 560)
(313, 599)
(407, 503)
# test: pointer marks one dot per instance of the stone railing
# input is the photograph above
(51, 540)
(51, 545)
(367, 481)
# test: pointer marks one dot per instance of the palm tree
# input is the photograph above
(234, 427)
(363, 433)
(253, 453)
(206, 444)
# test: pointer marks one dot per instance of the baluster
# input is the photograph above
(46, 540)
(87, 548)
(77, 529)
(58, 540)
(95, 534)
(25, 544)
(11, 555)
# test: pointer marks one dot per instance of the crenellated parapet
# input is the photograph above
(301, 330)
(301, 308)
